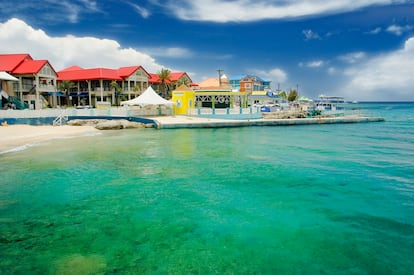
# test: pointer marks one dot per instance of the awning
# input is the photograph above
(81, 94)
(57, 93)
(6, 76)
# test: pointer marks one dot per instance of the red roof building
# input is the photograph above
(9, 62)
(103, 84)
(37, 79)
(176, 79)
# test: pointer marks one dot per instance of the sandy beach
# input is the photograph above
(13, 136)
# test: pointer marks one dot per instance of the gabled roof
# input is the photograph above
(155, 79)
(89, 74)
(9, 62)
(30, 67)
(177, 75)
(210, 82)
(72, 68)
(174, 76)
(126, 72)
(183, 87)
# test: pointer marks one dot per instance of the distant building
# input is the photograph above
(36, 84)
(249, 83)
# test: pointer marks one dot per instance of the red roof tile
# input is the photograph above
(125, 72)
(30, 67)
(154, 79)
(9, 62)
(89, 74)
(176, 76)
(72, 68)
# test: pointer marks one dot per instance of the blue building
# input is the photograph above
(249, 83)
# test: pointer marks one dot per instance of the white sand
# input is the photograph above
(13, 136)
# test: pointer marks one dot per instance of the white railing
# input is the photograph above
(60, 120)
(111, 112)
(227, 111)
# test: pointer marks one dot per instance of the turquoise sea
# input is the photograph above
(314, 199)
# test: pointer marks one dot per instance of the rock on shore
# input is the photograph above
(104, 124)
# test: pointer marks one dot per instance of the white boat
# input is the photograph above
(330, 105)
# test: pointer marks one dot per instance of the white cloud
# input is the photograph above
(253, 10)
(172, 52)
(309, 35)
(64, 51)
(312, 64)
(398, 30)
(51, 11)
(275, 75)
(375, 31)
(145, 13)
(352, 57)
(383, 77)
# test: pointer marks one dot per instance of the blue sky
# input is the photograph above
(360, 49)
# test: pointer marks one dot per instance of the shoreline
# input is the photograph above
(20, 136)
(16, 137)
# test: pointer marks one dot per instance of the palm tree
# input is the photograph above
(114, 87)
(293, 95)
(283, 95)
(182, 81)
(164, 75)
(65, 86)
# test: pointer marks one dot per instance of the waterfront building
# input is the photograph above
(36, 85)
(249, 83)
(95, 86)
(176, 79)
(208, 97)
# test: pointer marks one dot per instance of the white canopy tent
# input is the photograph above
(6, 76)
(149, 97)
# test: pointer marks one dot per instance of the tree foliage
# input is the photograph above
(182, 81)
(65, 86)
(293, 95)
(165, 76)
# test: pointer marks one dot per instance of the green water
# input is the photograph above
(334, 199)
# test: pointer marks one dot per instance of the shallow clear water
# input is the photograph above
(265, 200)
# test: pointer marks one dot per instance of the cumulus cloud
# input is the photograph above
(384, 77)
(253, 10)
(352, 57)
(275, 75)
(64, 51)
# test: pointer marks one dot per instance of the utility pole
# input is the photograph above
(219, 73)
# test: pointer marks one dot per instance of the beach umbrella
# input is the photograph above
(6, 76)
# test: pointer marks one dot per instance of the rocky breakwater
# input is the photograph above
(286, 114)
(112, 124)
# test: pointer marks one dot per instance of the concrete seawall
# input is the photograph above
(194, 122)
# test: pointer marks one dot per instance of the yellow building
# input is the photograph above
(183, 97)
(186, 99)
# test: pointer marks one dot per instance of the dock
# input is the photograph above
(176, 122)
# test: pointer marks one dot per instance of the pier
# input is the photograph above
(175, 122)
